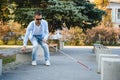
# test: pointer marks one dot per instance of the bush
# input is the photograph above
(103, 35)
(77, 37)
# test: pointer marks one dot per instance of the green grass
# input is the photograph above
(8, 59)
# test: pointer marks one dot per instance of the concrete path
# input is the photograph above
(62, 68)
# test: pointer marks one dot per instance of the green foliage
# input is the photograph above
(93, 15)
(74, 13)
(30, 3)
(4, 12)
(23, 16)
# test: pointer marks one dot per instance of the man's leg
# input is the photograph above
(34, 51)
(46, 52)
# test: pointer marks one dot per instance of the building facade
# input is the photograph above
(114, 6)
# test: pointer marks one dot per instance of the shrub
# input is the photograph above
(77, 37)
(103, 35)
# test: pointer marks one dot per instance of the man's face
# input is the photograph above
(38, 18)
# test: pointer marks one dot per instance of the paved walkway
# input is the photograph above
(62, 68)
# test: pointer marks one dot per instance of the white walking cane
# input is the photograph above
(78, 61)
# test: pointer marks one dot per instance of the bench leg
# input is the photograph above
(23, 58)
(0, 67)
(53, 48)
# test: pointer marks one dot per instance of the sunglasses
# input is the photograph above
(39, 19)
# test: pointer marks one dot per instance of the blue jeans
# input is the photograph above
(36, 44)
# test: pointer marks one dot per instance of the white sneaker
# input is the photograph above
(34, 63)
(47, 63)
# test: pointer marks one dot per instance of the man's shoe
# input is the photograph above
(47, 63)
(34, 63)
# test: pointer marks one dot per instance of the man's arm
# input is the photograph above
(46, 31)
(29, 28)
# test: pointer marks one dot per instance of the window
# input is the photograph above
(118, 13)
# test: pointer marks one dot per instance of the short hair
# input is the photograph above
(37, 13)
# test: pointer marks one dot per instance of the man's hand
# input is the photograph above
(45, 41)
(23, 48)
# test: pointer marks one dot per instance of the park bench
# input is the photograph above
(22, 57)
(53, 47)
(19, 56)
(56, 43)
(11, 55)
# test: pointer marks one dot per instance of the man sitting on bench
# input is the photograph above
(37, 32)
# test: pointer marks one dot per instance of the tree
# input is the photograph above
(72, 12)
(4, 12)
(93, 15)
(25, 10)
